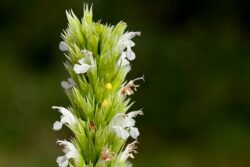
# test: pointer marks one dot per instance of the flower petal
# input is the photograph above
(134, 132)
(67, 117)
(128, 43)
(57, 126)
(133, 114)
(63, 46)
(121, 132)
(65, 85)
(62, 161)
(68, 84)
(123, 60)
(128, 122)
(80, 69)
(130, 54)
(69, 150)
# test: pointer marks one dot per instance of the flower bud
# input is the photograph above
(108, 86)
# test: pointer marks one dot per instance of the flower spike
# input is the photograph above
(98, 58)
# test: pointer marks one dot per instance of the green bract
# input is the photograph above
(98, 60)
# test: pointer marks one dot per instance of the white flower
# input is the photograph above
(123, 61)
(125, 42)
(63, 46)
(68, 84)
(123, 124)
(85, 63)
(134, 132)
(130, 54)
(129, 151)
(70, 153)
(67, 118)
(121, 132)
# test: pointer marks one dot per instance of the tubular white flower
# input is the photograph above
(130, 54)
(129, 151)
(125, 42)
(63, 46)
(85, 63)
(121, 132)
(123, 124)
(123, 61)
(134, 132)
(70, 153)
(68, 84)
(67, 118)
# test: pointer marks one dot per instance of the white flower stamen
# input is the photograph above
(131, 87)
(123, 124)
(129, 151)
(70, 153)
(67, 118)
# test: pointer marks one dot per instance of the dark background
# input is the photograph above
(196, 98)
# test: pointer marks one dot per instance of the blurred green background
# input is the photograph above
(196, 58)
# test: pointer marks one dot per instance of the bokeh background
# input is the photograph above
(196, 98)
